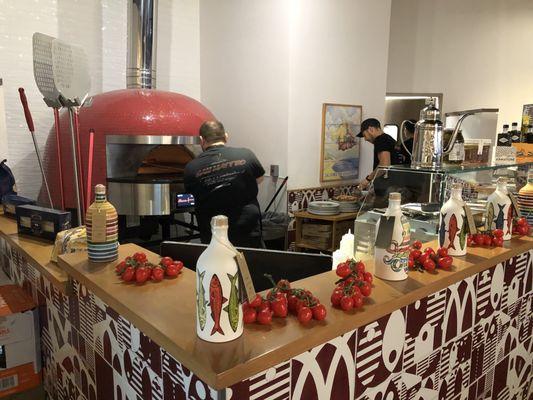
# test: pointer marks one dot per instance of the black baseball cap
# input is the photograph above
(367, 123)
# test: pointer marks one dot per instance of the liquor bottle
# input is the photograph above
(529, 134)
(218, 305)
(101, 221)
(457, 154)
(453, 224)
(500, 210)
(392, 242)
(503, 137)
(514, 133)
(525, 197)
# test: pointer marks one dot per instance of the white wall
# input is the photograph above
(267, 67)
(100, 26)
(476, 52)
(338, 55)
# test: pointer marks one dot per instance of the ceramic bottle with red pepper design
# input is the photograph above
(218, 306)
(391, 257)
(453, 225)
(500, 210)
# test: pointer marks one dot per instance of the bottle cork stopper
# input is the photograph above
(219, 221)
(99, 189)
(395, 196)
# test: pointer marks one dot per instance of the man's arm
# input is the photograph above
(384, 161)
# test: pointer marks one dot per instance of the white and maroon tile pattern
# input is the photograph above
(472, 340)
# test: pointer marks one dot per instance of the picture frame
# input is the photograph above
(340, 147)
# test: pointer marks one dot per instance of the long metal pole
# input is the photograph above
(59, 157)
(75, 164)
(42, 169)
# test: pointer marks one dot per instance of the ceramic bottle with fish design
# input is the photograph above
(500, 210)
(218, 306)
(391, 258)
(453, 226)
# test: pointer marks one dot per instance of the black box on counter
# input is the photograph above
(41, 222)
(11, 201)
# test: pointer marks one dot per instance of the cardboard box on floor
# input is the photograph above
(20, 355)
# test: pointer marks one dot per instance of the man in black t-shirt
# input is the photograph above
(384, 152)
(223, 180)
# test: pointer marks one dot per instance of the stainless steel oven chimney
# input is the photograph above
(142, 44)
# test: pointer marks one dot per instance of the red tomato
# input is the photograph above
(336, 297)
(368, 277)
(497, 241)
(442, 252)
(357, 300)
(478, 239)
(343, 270)
(360, 267)
(142, 274)
(366, 289)
(423, 258)
(179, 265)
(139, 257)
(497, 233)
(292, 301)
(264, 316)
(487, 240)
(319, 312)
(445, 262)
(256, 302)
(128, 274)
(522, 221)
(249, 315)
(429, 265)
(523, 229)
(417, 244)
(304, 315)
(284, 285)
(265, 304)
(279, 308)
(469, 240)
(410, 263)
(415, 254)
(121, 267)
(429, 251)
(171, 271)
(346, 303)
(158, 274)
(356, 290)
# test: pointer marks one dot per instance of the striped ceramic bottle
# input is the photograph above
(102, 228)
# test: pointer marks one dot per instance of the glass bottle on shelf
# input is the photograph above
(525, 197)
(392, 242)
(457, 154)
(529, 134)
(503, 137)
(500, 210)
(218, 305)
(453, 224)
(514, 133)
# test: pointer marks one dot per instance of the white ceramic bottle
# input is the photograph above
(218, 306)
(391, 256)
(500, 210)
(453, 224)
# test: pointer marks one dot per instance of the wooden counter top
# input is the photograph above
(37, 252)
(166, 311)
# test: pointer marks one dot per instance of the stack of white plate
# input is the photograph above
(347, 206)
(324, 208)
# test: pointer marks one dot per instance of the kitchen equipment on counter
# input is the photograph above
(428, 146)
(41, 222)
(10, 203)
(31, 128)
(138, 115)
(324, 208)
(61, 73)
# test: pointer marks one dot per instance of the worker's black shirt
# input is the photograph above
(223, 181)
(385, 142)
